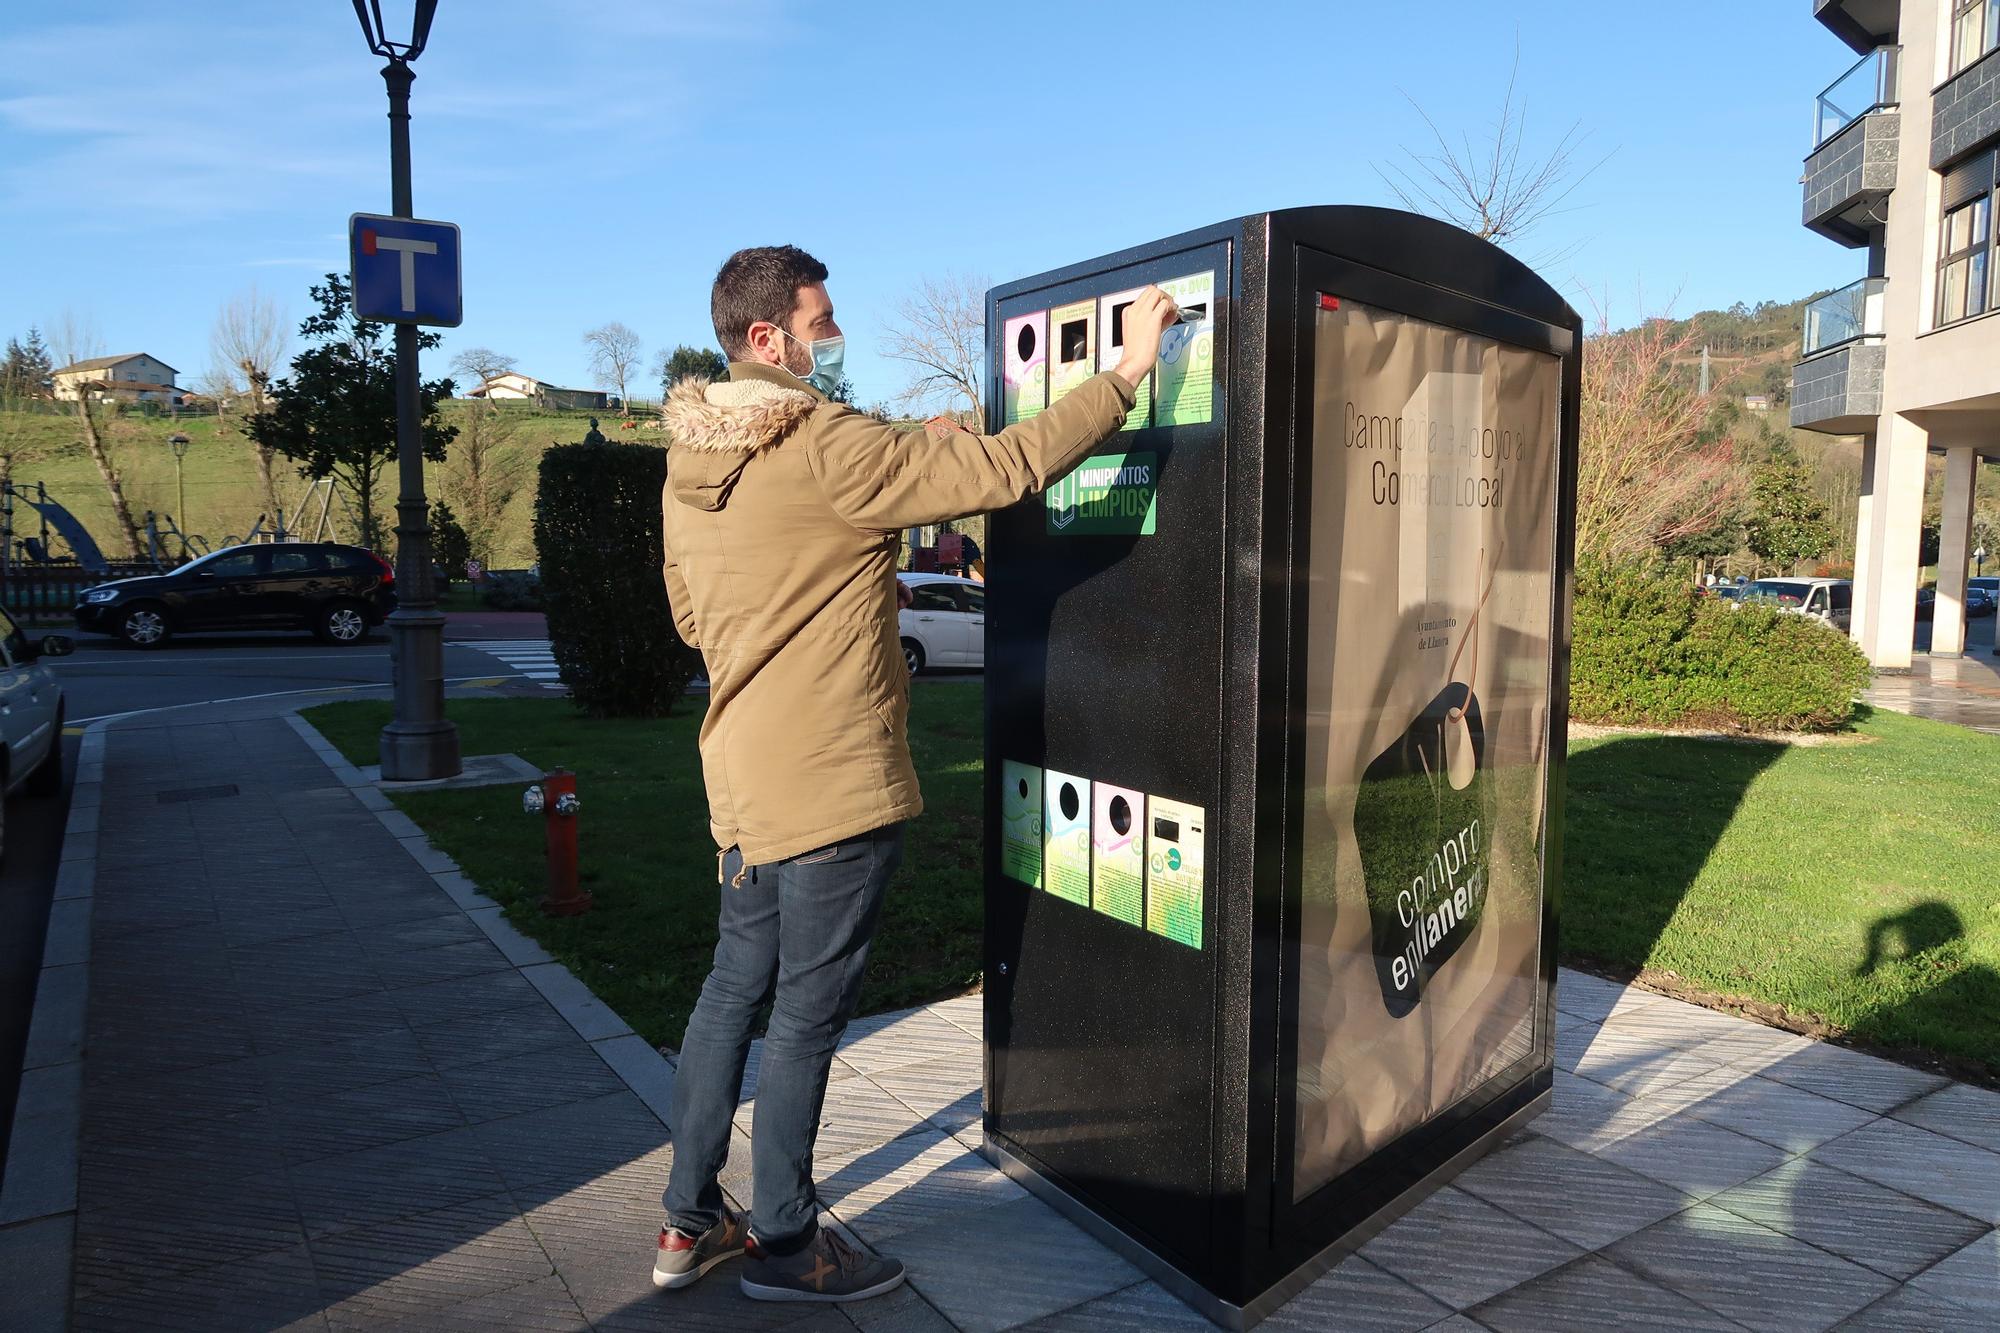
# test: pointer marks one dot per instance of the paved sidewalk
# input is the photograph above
(1963, 690)
(326, 1087)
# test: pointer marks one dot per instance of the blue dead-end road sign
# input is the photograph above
(404, 271)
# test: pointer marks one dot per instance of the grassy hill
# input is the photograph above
(224, 499)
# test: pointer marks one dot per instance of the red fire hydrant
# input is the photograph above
(555, 799)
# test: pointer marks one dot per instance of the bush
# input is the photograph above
(597, 531)
(1651, 651)
(513, 590)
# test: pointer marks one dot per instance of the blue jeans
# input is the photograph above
(795, 934)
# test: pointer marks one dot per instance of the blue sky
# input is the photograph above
(604, 156)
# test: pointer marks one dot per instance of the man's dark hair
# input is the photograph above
(761, 283)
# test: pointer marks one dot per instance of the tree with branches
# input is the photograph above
(76, 339)
(245, 345)
(1647, 478)
(1495, 188)
(481, 364)
(939, 331)
(684, 361)
(335, 414)
(614, 355)
(486, 470)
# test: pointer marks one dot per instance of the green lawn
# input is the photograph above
(648, 859)
(1850, 883)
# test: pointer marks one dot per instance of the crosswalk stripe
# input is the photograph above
(532, 658)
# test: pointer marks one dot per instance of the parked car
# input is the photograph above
(1988, 584)
(945, 623)
(338, 592)
(1978, 602)
(31, 715)
(1830, 600)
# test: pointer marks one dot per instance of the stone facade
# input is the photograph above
(1965, 113)
(1857, 162)
(1846, 382)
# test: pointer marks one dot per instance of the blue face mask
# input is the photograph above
(828, 355)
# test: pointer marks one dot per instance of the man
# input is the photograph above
(781, 520)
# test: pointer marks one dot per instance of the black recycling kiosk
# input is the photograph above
(1276, 690)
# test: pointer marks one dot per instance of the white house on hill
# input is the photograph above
(514, 385)
(133, 377)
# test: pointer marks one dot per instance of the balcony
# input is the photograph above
(1855, 311)
(1852, 168)
(1837, 386)
(1860, 23)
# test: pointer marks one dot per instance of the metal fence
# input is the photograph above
(47, 591)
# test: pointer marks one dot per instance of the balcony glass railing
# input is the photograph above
(1869, 86)
(1855, 311)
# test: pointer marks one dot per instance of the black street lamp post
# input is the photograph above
(179, 443)
(419, 744)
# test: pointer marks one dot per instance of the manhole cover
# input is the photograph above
(197, 793)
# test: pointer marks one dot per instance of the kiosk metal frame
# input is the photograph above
(1144, 1088)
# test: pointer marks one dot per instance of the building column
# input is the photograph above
(1961, 468)
(1863, 613)
(1896, 542)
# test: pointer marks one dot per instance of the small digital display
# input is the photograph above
(1166, 830)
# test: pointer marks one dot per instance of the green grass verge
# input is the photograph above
(1849, 883)
(649, 861)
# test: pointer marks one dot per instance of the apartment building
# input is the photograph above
(1908, 356)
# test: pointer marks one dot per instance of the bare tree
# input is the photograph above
(245, 346)
(76, 339)
(483, 474)
(939, 330)
(482, 364)
(1496, 189)
(614, 355)
(1645, 476)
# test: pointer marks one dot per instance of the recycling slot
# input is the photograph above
(1275, 718)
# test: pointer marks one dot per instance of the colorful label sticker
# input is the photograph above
(1021, 823)
(1186, 376)
(1118, 853)
(1105, 493)
(1025, 376)
(1173, 869)
(1111, 348)
(1066, 846)
(1072, 347)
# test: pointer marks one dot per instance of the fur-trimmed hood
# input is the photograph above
(717, 426)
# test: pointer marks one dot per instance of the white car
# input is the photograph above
(1830, 600)
(945, 623)
(31, 715)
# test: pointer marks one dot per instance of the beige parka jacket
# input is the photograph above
(782, 520)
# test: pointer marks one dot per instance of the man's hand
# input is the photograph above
(1145, 320)
(904, 597)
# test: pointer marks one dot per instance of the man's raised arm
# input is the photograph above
(883, 479)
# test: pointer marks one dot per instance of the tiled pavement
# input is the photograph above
(318, 1094)
(1964, 690)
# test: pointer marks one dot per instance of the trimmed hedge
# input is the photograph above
(1652, 651)
(513, 590)
(597, 532)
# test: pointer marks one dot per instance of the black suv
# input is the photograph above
(337, 592)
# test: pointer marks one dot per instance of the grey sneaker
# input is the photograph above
(829, 1269)
(684, 1258)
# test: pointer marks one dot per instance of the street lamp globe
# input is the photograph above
(378, 30)
(179, 444)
